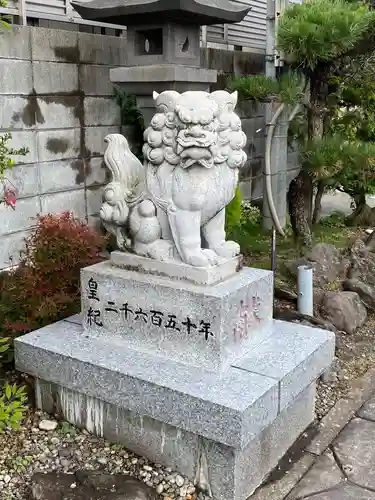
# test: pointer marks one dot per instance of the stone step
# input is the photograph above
(206, 326)
(230, 407)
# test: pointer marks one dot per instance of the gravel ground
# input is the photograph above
(68, 449)
(355, 355)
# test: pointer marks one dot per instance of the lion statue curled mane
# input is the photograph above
(172, 207)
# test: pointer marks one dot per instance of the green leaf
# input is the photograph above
(319, 31)
(12, 406)
(256, 87)
(8, 391)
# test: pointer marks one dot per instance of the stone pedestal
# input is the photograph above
(203, 326)
(208, 384)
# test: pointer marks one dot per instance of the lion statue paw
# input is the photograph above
(228, 249)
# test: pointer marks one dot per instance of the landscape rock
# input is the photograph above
(318, 296)
(47, 425)
(365, 291)
(328, 263)
(293, 265)
(89, 485)
(362, 264)
(370, 240)
(344, 310)
(179, 480)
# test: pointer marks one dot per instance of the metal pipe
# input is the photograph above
(270, 39)
(294, 112)
(267, 169)
(305, 290)
(22, 12)
(273, 12)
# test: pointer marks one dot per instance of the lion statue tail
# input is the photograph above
(126, 189)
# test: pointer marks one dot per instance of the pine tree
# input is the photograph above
(319, 40)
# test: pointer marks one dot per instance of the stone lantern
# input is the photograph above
(163, 42)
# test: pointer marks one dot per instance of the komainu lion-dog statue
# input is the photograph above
(173, 206)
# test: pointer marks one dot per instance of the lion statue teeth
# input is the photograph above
(173, 206)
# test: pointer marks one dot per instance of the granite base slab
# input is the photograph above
(230, 407)
(178, 270)
(208, 327)
(228, 428)
(224, 472)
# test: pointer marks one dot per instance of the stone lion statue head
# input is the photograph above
(195, 128)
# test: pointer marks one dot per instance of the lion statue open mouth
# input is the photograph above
(173, 206)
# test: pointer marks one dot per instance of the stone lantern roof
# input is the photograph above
(136, 12)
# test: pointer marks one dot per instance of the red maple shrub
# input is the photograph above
(45, 287)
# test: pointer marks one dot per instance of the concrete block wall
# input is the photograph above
(253, 120)
(253, 124)
(56, 98)
(251, 176)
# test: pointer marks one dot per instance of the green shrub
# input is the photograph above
(334, 220)
(8, 196)
(13, 406)
(233, 212)
(250, 214)
(45, 287)
(12, 398)
(4, 347)
(3, 19)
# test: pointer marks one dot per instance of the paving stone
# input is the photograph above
(356, 452)
(94, 80)
(14, 113)
(99, 111)
(54, 145)
(345, 492)
(92, 50)
(24, 178)
(343, 411)
(58, 112)
(94, 199)
(325, 474)
(279, 489)
(24, 139)
(331, 425)
(368, 410)
(94, 139)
